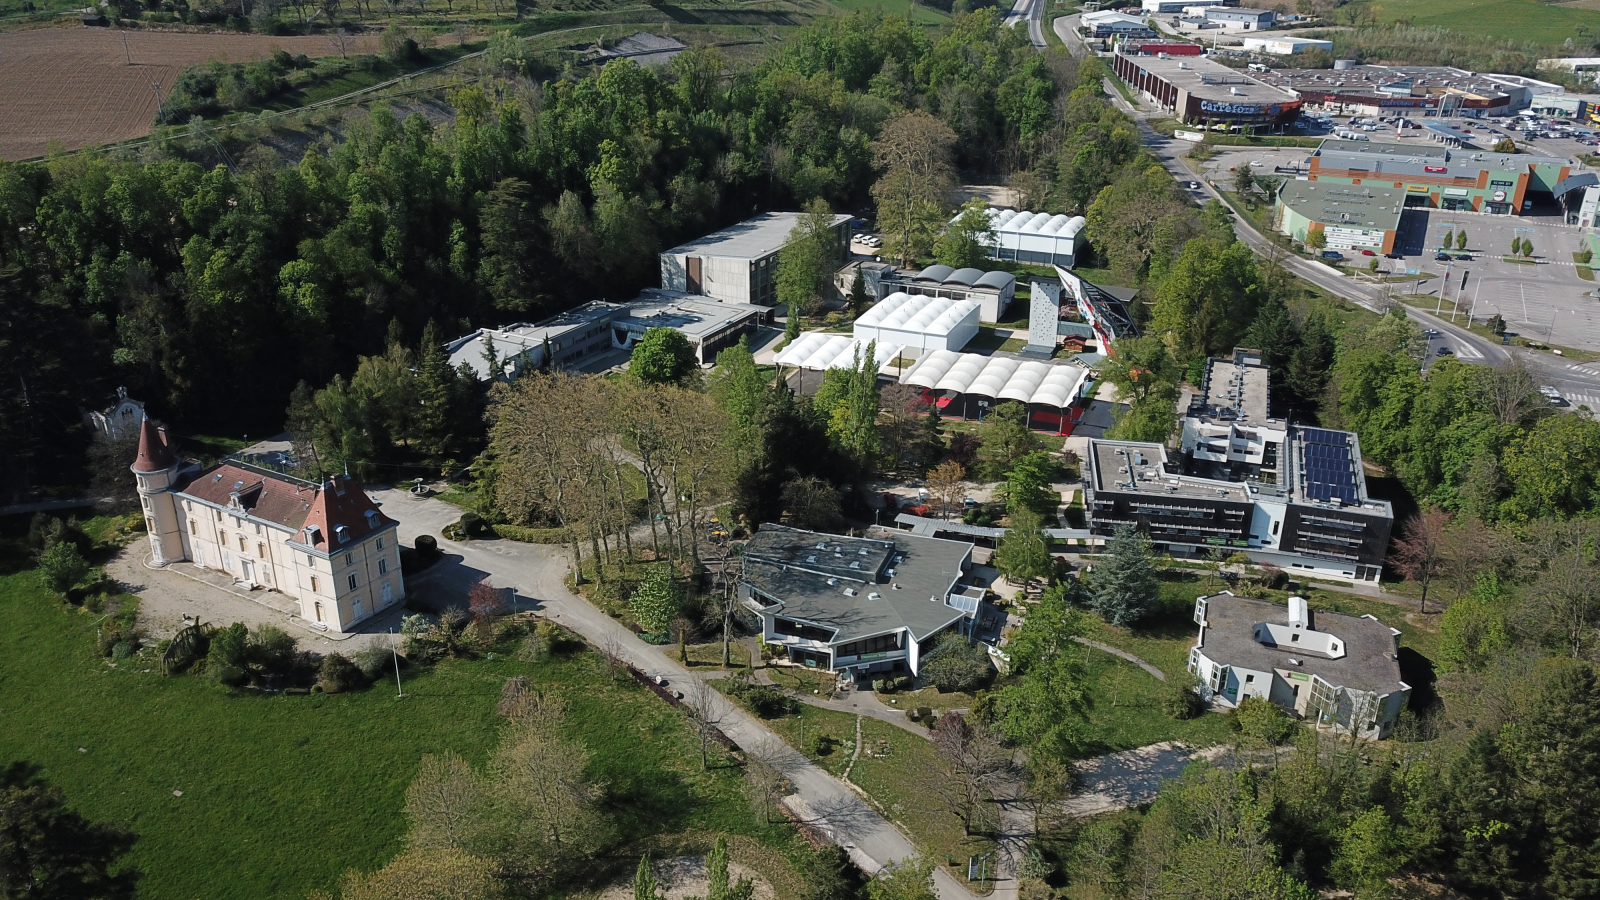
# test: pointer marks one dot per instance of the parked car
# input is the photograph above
(1445, 351)
(1332, 254)
(1442, 256)
(1366, 252)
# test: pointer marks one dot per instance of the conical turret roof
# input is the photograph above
(154, 454)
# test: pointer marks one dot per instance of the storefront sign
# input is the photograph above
(1417, 188)
(1299, 676)
(1502, 184)
(1437, 169)
(1237, 109)
(1455, 192)
(1499, 196)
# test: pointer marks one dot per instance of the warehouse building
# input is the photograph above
(1174, 6)
(1424, 91)
(969, 386)
(1105, 24)
(1442, 178)
(919, 322)
(1351, 217)
(1202, 91)
(1342, 672)
(1292, 496)
(1236, 19)
(1284, 46)
(739, 264)
(1038, 238)
(992, 291)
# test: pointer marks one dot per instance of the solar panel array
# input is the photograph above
(1328, 465)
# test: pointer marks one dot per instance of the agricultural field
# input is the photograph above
(74, 87)
(1548, 24)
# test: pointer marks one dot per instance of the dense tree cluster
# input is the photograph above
(215, 291)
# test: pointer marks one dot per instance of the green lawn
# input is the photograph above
(988, 339)
(898, 769)
(800, 732)
(1508, 20)
(286, 793)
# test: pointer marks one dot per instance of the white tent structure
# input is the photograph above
(1036, 237)
(919, 321)
(823, 351)
(968, 384)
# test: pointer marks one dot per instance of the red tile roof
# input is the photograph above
(341, 503)
(154, 454)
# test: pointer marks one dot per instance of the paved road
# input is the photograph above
(1574, 381)
(1032, 12)
(537, 573)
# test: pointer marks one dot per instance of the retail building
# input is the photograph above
(1197, 90)
(1441, 177)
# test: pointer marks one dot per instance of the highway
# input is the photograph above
(1032, 12)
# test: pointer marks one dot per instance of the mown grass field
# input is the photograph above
(284, 794)
(1512, 20)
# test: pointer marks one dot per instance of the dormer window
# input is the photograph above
(311, 532)
(342, 533)
(372, 519)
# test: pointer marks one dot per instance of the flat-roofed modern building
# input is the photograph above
(1284, 46)
(1107, 23)
(992, 291)
(1352, 217)
(970, 386)
(709, 325)
(1241, 480)
(739, 263)
(1442, 178)
(562, 340)
(1238, 19)
(862, 605)
(1341, 672)
(1200, 90)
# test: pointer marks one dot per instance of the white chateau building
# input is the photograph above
(327, 546)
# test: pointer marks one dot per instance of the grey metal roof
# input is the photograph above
(1575, 182)
(811, 576)
(754, 238)
(1370, 662)
(997, 280)
(935, 273)
(964, 276)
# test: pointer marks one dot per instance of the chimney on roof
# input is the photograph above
(1299, 614)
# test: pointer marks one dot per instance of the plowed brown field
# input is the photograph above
(74, 85)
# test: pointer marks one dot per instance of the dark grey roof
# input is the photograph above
(967, 277)
(1575, 182)
(1370, 662)
(935, 273)
(997, 280)
(811, 576)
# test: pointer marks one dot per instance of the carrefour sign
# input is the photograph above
(1238, 109)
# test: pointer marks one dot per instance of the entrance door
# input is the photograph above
(388, 594)
(692, 264)
(248, 568)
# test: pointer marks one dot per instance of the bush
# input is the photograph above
(1261, 721)
(526, 535)
(338, 674)
(954, 664)
(121, 650)
(472, 525)
(374, 662)
(822, 744)
(1182, 702)
(427, 547)
(769, 702)
(62, 566)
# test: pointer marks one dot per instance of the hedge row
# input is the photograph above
(532, 535)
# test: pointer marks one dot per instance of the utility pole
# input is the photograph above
(160, 107)
(400, 691)
(1525, 317)
(125, 51)
(1474, 308)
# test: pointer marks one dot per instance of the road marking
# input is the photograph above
(1467, 351)
(1592, 369)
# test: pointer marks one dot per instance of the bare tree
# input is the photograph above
(947, 483)
(1563, 603)
(1511, 393)
(764, 782)
(445, 804)
(915, 152)
(542, 786)
(341, 39)
(707, 709)
(973, 762)
(1419, 551)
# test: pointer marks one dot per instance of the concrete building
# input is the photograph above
(1587, 66)
(1339, 671)
(1107, 23)
(1157, 47)
(1203, 91)
(1579, 197)
(326, 546)
(1238, 19)
(919, 322)
(1423, 91)
(1039, 238)
(1151, 7)
(1352, 217)
(709, 325)
(739, 263)
(1584, 108)
(969, 386)
(1242, 480)
(119, 421)
(1284, 46)
(860, 605)
(992, 291)
(561, 340)
(1442, 178)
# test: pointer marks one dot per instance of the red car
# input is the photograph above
(1368, 253)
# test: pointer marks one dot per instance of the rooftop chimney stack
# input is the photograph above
(1299, 615)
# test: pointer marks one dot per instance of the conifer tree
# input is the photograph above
(1125, 588)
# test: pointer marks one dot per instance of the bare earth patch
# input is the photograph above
(685, 876)
(74, 86)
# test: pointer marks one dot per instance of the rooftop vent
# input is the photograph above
(811, 559)
(1295, 662)
(849, 592)
(874, 596)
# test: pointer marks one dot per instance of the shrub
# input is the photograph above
(374, 662)
(954, 664)
(1182, 701)
(822, 744)
(526, 535)
(1261, 721)
(885, 685)
(427, 547)
(338, 674)
(472, 525)
(769, 702)
(62, 566)
(121, 650)
(657, 601)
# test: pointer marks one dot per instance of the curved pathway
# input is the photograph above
(1160, 675)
